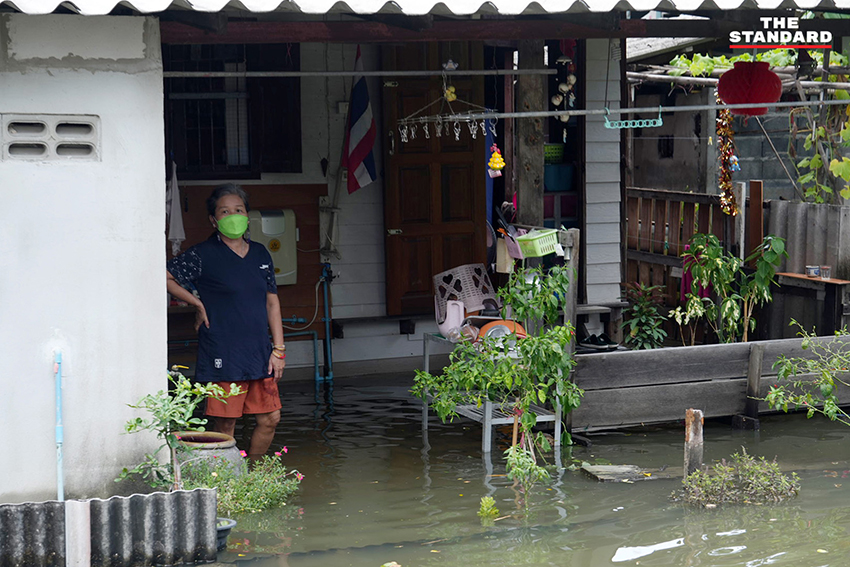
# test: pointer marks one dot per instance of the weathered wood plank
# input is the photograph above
(674, 222)
(688, 215)
(606, 409)
(704, 219)
(662, 366)
(632, 222)
(681, 196)
(645, 224)
(660, 228)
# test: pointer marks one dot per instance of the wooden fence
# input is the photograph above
(658, 226)
(629, 388)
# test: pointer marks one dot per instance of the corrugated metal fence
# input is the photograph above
(814, 235)
(136, 531)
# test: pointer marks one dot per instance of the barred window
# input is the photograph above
(233, 127)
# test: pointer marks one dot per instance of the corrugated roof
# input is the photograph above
(419, 7)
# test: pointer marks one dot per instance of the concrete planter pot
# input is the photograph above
(212, 447)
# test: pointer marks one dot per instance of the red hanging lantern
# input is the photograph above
(749, 82)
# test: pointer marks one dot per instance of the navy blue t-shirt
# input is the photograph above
(236, 346)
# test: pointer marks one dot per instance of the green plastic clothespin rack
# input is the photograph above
(642, 123)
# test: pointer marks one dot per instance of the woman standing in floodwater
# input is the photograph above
(237, 308)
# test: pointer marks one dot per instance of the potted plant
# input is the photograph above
(515, 372)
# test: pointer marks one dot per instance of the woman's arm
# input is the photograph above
(184, 294)
(276, 364)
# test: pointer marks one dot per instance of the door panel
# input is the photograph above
(435, 186)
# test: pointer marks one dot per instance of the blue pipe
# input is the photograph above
(60, 429)
(317, 376)
(327, 276)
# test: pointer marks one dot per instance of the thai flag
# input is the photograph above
(358, 156)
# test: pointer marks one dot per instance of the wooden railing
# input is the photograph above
(658, 226)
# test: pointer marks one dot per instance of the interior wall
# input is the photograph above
(81, 271)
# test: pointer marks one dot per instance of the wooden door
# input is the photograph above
(435, 201)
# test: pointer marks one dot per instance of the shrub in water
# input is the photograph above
(743, 480)
(267, 484)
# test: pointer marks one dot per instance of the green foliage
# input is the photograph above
(738, 290)
(812, 382)
(533, 295)
(522, 467)
(169, 412)
(517, 373)
(820, 183)
(266, 484)
(642, 320)
(487, 511)
(700, 65)
(743, 480)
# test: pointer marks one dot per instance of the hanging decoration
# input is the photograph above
(496, 163)
(749, 81)
(565, 98)
(725, 156)
(448, 119)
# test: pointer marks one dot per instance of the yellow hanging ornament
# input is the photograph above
(496, 163)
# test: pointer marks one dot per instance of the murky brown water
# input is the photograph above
(376, 490)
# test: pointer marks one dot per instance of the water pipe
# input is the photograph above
(60, 429)
(315, 335)
(327, 276)
(293, 320)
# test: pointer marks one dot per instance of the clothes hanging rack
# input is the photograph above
(648, 109)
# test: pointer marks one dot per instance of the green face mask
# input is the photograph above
(233, 226)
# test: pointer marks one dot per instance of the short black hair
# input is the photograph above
(224, 190)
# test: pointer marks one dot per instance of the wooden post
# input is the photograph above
(755, 219)
(693, 440)
(740, 190)
(750, 419)
(531, 96)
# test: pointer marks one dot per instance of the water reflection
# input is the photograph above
(378, 488)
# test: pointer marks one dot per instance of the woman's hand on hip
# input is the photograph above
(276, 366)
(201, 317)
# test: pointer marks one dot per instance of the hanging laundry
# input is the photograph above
(174, 213)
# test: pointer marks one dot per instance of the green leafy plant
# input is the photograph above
(743, 480)
(513, 372)
(812, 382)
(642, 320)
(266, 484)
(738, 290)
(533, 295)
(170, 412)
(487, 511)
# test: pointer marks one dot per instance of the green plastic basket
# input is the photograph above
(553, 153)
(538, 242)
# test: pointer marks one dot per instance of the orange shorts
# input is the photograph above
(262, 396)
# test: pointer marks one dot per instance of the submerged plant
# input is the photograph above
(487, 511)
(264, 485)
(641, 319)
(742, 480)
(812, 382)
(170, 412)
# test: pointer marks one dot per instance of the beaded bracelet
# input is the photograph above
(280, 356)
(279, 347)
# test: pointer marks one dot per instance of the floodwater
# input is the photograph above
(376, 490)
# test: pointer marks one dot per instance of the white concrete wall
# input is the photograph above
(84, 252)
(602, 167)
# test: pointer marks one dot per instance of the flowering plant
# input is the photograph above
(266, 484)
(170, 411)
